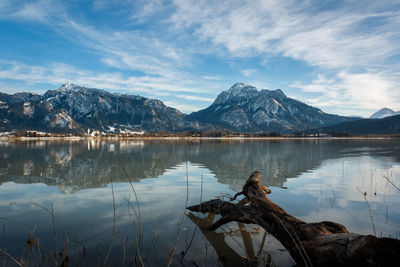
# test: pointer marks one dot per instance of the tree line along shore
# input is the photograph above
(186, 134)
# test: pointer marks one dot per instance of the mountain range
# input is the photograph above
(242, 108)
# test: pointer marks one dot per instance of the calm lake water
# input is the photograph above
(313, 180)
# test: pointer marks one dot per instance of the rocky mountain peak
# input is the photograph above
(68, 87)
(237, 92)
(244, 108)
(241, 87)
(241, 90)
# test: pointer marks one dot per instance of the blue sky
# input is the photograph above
(340, 56)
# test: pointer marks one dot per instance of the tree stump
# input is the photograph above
(310, 244)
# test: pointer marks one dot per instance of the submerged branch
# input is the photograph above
(310, 244)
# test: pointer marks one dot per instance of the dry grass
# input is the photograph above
(369, 210)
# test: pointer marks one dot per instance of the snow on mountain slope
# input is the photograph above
(244, 108)
(75, 108)
(72, 107)
(383, 113)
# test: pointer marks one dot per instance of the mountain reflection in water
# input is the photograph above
(73, 166)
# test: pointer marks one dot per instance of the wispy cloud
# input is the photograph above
(185, 108)
(207, 77)
(57, 73)
(197, 98)
(340, 37)
(142, 61)
(128, 49)
(39, 11)
(248, 72)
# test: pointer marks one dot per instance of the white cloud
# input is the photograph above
(40, 10)
(248, 72)
(207, 77)
(185, 108)
(57, 73)
(159, 65)
(116, 49)
(196, 98)
(354, 93)
(340, 37)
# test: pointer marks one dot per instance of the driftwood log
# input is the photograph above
(310, 244)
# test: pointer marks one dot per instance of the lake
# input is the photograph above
(77, 198)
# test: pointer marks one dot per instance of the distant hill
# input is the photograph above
(243, 108)
(388, 125)
(383, 113)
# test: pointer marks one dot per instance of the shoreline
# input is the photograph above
(177, 138)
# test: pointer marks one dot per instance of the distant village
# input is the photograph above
(143, 134)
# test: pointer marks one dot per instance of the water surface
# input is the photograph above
(312, 179)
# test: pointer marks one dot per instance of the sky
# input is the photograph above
(340, 56)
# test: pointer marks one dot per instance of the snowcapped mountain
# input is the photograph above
(244, 108)
(383, 113)
(76, 108)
